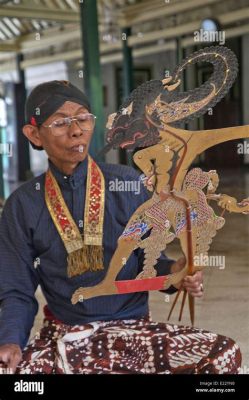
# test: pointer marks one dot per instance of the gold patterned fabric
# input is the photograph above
(85, 251)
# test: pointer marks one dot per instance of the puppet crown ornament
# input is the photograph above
(180, 204)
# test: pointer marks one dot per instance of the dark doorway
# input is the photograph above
(225, 114)
(224, 155)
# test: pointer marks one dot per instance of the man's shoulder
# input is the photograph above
(125, 182)
(119, 171)
(30, 190)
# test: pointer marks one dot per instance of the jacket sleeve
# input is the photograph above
(18, 277)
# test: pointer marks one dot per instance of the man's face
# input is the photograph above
(71, 147)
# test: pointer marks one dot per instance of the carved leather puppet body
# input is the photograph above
(179, 205)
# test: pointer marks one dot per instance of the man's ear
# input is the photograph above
(32, 134)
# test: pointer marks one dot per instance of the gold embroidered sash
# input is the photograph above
(84, 253)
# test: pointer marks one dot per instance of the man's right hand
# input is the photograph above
(10, 356)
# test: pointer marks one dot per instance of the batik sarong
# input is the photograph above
(128, 347)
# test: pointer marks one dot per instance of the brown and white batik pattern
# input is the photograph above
(128, 347)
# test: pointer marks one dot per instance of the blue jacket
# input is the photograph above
(28, 235)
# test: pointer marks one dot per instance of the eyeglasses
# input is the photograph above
(59, 127)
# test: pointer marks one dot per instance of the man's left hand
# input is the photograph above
(194, 284)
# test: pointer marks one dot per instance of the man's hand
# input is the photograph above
(10, 355)
(193, 284)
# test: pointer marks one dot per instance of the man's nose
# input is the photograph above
(74, 129)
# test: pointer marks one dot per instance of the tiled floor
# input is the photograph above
(225, 306)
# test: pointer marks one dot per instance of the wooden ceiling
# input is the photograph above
(49, 30)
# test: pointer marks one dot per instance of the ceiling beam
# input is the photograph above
(8, 47)
(132, 15)
(50, 37)
(229, 33)
(66, 56)
(104, 59)
(167, 33)
(146, 5)
(233, 16)
(48, 14)
(60, 38)
(143, 51)
(54, 36)
(224, 19)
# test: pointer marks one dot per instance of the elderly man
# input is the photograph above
(44, 240)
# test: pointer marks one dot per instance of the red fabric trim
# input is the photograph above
(141, 285)
(50, 316)
(33, 121)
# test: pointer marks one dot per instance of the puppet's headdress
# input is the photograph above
(159, 102)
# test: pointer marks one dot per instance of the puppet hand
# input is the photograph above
(10, 356)
(227, 202)
(149, 182)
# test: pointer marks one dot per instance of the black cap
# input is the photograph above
(46, 98)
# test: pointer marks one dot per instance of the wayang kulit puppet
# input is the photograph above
(180, 204)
